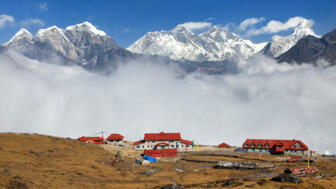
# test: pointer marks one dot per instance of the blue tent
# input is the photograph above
(150, 159)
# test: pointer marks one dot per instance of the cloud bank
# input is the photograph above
(43, 6)
(31, 21)
(264, 100)
(192, 26)
(249, 22)
(5, 19)
(275, 26)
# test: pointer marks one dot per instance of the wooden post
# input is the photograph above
(308, 158)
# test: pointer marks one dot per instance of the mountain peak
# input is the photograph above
(304, 29)
(86, 26)
(181, 29)
(21, 34)
(23, 31)
(280, 44)
(215, 28)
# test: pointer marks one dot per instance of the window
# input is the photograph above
(246, 144)
(297, 145)
(172, 146)
(177, 145)
(138, 146)
(267, 145)
(260, 145)
(253, 145)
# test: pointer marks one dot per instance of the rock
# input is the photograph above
(235, 165)
(172, 186)
(151, 171)
(138, 161)
(287, 178)
(145, 162)
(17, 183)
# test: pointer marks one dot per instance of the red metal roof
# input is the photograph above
(138, 142)
(162, 136)
(95, 140)
(115, 137)
(262, 143)
(224, 145)
(84, 139)
(185, 141)
(161, 152)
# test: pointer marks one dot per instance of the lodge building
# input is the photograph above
(163, 141)
(287, 147)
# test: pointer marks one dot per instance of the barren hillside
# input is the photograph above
(38, 161)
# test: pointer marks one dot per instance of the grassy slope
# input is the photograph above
(38, 161)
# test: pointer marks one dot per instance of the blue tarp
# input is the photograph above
(150, 159)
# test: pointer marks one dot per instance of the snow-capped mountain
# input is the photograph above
(81, 44)
(311, 50)
(280, 44)
(215, 44)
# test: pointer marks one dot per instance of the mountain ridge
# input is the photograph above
(80, 44)
(311, 49)
(215, 44)
(281, 44)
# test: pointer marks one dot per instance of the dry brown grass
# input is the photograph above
(38, 161)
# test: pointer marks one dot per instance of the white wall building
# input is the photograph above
(163, 141)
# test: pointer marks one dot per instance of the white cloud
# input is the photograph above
(129, 29)
(43, 6)
(31, 21)
(5, 19)
(275, 26)
(192, 26)
(249, 22)
(209, 19)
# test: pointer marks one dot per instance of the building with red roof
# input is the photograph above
(224, 145)
(93, 140)
(163, 141)
(289, 147)
(115, 137)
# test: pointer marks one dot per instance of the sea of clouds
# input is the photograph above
(264, 100)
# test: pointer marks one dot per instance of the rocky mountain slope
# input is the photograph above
(215, 44)
(81, 44)
(311, 49)
(280, 44)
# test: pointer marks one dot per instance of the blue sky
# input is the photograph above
(126, 21)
